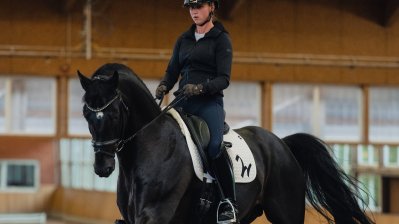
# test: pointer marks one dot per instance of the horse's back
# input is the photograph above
(268, 149)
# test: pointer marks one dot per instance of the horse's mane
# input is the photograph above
(129, 83)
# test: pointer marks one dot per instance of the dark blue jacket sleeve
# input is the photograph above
(173, 70)
(224, 58)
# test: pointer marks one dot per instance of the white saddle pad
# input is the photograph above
(240, 154)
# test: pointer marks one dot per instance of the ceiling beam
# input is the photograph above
(229, 7)
(68, 5)
(391, 12)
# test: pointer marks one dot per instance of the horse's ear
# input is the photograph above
(84, 81)
(115, 79)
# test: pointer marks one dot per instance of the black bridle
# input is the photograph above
(120, 142)
(116, 142)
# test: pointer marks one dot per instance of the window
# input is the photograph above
(3, 91)
(332, 113)
(242, 103)
(27, 105)
(372, 195)
(16, 175)
(391, 156)
(340, 114)
(342, 155)
(370, 184)
(77, 125)
(292, 109)
(367, 155)
(77, 158)
(384, 114)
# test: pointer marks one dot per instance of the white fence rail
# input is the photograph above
(23, 218)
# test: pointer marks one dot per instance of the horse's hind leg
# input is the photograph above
(285, 205)
(284, 198)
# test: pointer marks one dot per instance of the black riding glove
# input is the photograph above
(192, 90)
(160, 92)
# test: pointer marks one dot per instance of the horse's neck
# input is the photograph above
(152, 145)
(142, 107)
(141, 115)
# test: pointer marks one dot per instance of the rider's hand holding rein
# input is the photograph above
(192, 90)
(161, 91)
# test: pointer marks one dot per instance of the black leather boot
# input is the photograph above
(223, 171)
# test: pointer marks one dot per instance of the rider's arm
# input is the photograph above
(224, 57)
(173, 70)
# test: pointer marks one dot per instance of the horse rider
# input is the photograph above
(202, 56)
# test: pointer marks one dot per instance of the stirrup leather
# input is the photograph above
(233, 220)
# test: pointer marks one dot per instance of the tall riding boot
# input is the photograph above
(222, 168)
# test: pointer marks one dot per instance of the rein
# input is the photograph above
(174, 102)
(120, 143)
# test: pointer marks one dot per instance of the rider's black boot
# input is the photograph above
(223, 171)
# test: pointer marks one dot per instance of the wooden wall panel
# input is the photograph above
(317, 27)
(26, 202)
(392, 40)
(30, 23)
(339, 28)
(33, 148)
(394, 195)
(87, 205)
(270, 31)
(361, 36)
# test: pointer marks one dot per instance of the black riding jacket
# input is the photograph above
(207, 62)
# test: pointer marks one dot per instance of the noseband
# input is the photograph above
(118, 143)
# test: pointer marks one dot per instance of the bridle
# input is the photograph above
(119, 143)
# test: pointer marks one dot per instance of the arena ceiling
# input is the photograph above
(382, 12)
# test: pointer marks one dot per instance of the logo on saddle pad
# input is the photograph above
(243, 160)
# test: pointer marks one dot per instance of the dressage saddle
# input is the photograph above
(200, 134)
(199, 129)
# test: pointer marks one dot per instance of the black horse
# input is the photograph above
(157, 183)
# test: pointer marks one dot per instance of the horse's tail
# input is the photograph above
(327, 186)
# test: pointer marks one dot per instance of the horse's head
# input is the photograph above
(106, 115)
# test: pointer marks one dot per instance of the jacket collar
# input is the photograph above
(216, 30)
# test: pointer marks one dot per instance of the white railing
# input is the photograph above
(23, 218)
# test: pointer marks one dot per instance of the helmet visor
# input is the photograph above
(194, 4)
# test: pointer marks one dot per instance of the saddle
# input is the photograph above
(200, 134)
(197, 137)
(199, 129)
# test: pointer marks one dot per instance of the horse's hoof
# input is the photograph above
(119, 221)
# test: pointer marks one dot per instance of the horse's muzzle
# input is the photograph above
(104, 172)
(104, 164)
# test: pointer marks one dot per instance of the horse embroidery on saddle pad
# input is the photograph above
(243, 160)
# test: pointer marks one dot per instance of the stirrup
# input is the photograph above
(233, 220)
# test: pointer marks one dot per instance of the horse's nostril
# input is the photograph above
(109, 170)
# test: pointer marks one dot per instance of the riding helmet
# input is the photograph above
(188, 3)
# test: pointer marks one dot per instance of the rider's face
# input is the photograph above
(199, 13)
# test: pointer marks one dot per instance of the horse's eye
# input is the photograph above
(85, 111)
